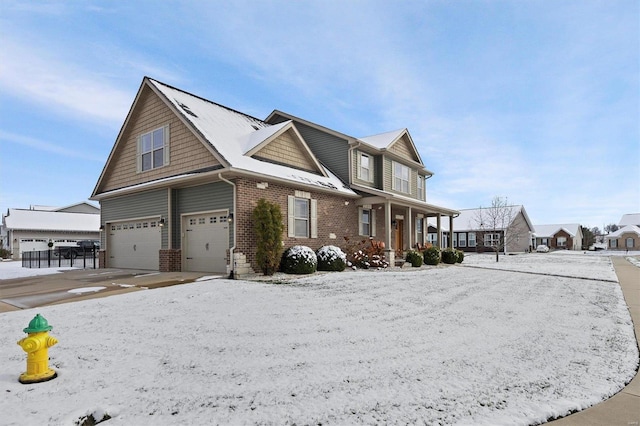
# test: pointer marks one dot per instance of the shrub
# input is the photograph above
(268, 227)
(449, 256)
(299, 260)
(460, 256)
(331, 258)
(432, 255)
(5, 254)
(414, 257)
(365, 254)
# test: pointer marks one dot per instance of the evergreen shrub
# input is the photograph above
(449, 256)
(460, 256)
(268, 228)
(432, 255)
(331, 258)
(414, 257)
(299, 260)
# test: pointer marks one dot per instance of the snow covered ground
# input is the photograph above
(445, 345)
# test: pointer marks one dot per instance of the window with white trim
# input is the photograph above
(420, 187)
(462, 239)
(613, 243)
(629, 243)
(153, 149)
(302, 217)
(472, 239)
(364, 167)
(491, 239)
(561, 241)
(419, 230)
(432, 237)
(400, 177)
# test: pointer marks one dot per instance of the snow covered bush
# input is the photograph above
(299, 260)
(432, 255)
(449, 256)
(414, 257)
(331, 258)
(460, 256)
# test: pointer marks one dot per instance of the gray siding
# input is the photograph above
(212, 196)
(331, 150)
(152, 203)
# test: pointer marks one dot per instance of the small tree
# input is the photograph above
(612, 227)
(498, 220)
(268, 227)
(588, 237)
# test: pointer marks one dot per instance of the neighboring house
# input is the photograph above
(184, 175)
(34, 228)
(625, 238)
(629, 219)
(567, 236)
(474, 232)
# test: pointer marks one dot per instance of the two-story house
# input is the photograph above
(185, 174)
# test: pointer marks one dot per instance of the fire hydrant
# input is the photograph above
(37, 345)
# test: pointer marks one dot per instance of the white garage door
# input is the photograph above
(33, 244)
(206, 240)
(134, 244)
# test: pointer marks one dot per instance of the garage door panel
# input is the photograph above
(135, 245)
(206, 240)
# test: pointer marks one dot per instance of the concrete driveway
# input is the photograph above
(71, 286)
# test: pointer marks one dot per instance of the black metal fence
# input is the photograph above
(83, 257)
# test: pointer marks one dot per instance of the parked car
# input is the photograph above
(80, 249)
(542, 249)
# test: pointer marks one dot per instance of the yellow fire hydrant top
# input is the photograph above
(37, 345)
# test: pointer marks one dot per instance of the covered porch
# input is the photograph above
(401, 223)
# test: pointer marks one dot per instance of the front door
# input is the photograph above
(399, 237)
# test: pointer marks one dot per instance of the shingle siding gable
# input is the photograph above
(187, 153)
(285, 150)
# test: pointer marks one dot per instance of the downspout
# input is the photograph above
(233, 247)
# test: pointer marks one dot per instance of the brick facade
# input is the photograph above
(337, 217)
(170, 260)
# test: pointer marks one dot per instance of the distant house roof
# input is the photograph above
(548, 231)
(630, 219)
(624, 230)
(468, 219)
(235, 136)
(43, 220)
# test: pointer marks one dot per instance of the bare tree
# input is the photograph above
(498, 221)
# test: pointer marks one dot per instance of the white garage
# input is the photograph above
(134, 244)
(205, 241)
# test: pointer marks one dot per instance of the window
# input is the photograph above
(400, 177)
(302, 215)
(629, 243)
(432, 237)
(364, 167)
(472, 239)
(491, 239)
(562, 241)
(462, 239)
(419, 231)
(421, 187)
(613, 243)
(153, 149)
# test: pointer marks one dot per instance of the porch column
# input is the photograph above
(438, 232)
(389, 252)
(451, 232)
(409, 222)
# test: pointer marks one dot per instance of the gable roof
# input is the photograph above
(42, 220)
(629, 229)
(548, 231)
(233, 137)
(467, 221)
(385, 141)
(630, 219)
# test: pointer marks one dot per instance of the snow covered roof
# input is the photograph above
(629, 219)
(42, 220)
(383, 140)
(468, 219)
(545, 231)
(233, 135)
(629, 229)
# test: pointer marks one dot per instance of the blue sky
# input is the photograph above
(537, 101)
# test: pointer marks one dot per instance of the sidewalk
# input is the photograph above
(623, 408)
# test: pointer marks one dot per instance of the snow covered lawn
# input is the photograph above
(444, 345)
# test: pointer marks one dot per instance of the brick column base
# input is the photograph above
(171, 260)
(102, 259)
